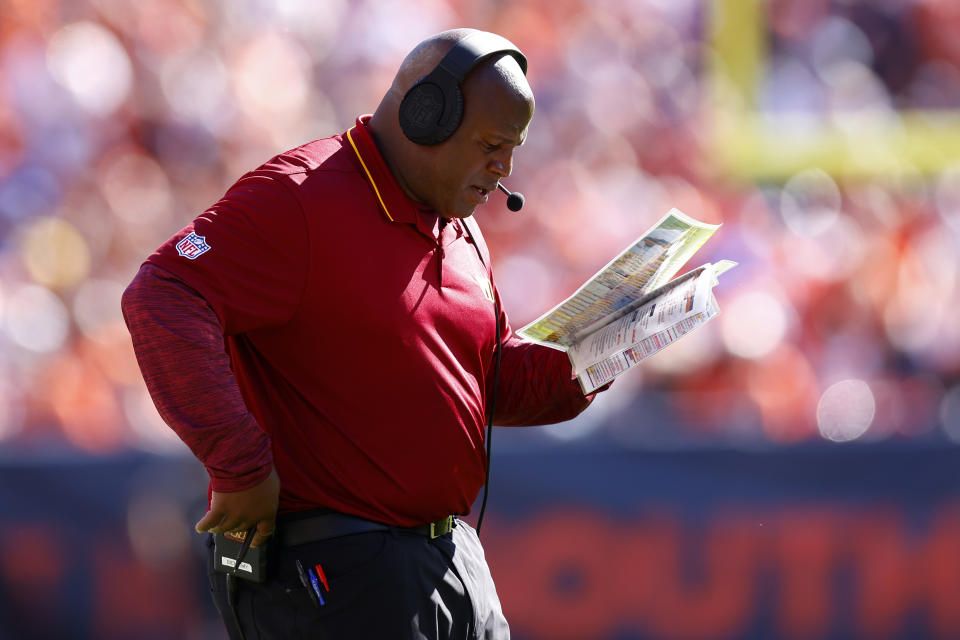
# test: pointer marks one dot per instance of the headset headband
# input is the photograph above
(475, 47)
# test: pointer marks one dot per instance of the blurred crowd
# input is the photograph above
(121, 121)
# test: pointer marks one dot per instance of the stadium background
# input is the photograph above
(787, 471)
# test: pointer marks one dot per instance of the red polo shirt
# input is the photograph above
(361, 334)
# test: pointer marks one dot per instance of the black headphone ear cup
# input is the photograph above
(422, 112)
(447, 127)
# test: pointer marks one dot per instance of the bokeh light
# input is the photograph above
(810, 202)
(197, 87)
(36, 319)
(87, 60)
(754, 324)
(846, 410)
(55, 253)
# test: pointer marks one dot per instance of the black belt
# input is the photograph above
(324, 526)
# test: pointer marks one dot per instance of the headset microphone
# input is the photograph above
(514, 199)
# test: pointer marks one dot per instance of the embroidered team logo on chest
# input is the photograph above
(484, 283)
(193, 246)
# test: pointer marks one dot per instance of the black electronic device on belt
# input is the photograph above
(432, 109)
(233, 555)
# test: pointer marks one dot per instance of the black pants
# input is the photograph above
(382, 585)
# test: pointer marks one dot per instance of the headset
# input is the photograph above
(433, 108)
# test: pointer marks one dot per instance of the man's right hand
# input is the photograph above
(240, 510)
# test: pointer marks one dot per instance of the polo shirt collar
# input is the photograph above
(394, 203)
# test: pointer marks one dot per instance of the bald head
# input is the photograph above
(497, 108)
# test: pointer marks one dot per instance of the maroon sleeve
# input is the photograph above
(179, 345)
(536, 385)
(246, 255)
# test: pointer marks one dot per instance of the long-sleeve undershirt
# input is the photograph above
(180, 348)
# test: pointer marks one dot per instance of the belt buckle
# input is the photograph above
(441, 527)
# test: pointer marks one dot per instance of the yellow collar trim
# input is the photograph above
(367, 171)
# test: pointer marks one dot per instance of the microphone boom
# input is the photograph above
(515, 199)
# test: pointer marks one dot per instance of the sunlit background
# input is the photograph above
(821, 133)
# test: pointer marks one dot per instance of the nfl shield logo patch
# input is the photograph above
(193, 246)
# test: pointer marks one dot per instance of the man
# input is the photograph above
(325, 339)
